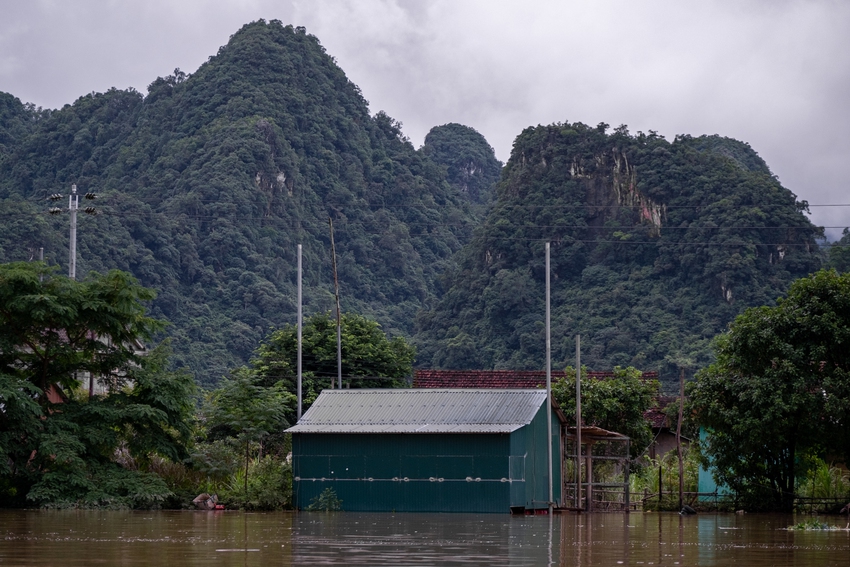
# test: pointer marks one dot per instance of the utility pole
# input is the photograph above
(679, 436)
(299, 334)
(549, 378)
(338, 312)
(578, 421)
(73, 207)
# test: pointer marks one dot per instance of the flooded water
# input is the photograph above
(71, 538)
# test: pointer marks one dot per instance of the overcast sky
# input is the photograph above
(773, 73)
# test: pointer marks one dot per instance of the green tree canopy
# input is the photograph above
(779, 391)
(370, 359)
(54, 328)
(616, 404)
(242, 409)
(84, 451)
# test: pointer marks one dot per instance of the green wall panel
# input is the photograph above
(444, 472)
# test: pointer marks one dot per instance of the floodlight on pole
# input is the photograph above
(73, 207)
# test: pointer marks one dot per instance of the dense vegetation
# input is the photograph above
(656, 246)
(59, 445)
(470, 163)
(616, 404)
(839, 253)
(208, 182)
(784, 370)
(369, 358)
(139, 439)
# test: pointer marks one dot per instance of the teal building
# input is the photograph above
(706, 485)
(428, 450)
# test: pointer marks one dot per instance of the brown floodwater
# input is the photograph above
(71, 538)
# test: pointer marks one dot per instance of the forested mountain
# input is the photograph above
(208, 182)
(15, 122)
(470, 162)
(656, 246)
(839, 256)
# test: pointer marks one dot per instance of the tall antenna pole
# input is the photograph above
(338, 312)
(73, 205)
(299, 333)
(549, 378)
(578, 421)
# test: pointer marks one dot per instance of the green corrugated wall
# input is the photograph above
(403, 472)
(528, 444)
(427, 472)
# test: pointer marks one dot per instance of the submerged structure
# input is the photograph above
(429, 450)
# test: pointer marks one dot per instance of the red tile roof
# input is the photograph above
(657, 419)
(656, 416)
(496, 378)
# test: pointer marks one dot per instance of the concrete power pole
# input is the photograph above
(549, 378)
(578, 422)
(299, 334)
(338, 312)
(73, 205)
(679, 436)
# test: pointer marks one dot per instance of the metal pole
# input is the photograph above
(626, 474)
(299, 334)
(679, 436)
(659, 488)
(338, 348)
(578, 421)
(338, 312)
(549, 377)
(73, 205)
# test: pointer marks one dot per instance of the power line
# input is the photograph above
(342, 226)
(484, 232)
(187, 199)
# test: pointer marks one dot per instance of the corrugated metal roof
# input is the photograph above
(444, 410)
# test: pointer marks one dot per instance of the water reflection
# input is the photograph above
(234, 538)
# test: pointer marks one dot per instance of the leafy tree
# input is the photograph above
(245, 411)
(54, 328)
(369, 358)
(616, 404)
(84, 451)
(779, 392)
(95, 452)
